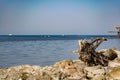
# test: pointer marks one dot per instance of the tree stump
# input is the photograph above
(88, 54)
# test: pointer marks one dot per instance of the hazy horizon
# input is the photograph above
(56, 17)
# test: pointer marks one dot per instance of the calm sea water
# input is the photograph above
(31, 50)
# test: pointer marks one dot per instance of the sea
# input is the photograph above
(45, 50)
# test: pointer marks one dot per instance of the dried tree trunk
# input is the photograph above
(89, 55)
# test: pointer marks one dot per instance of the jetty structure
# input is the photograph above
(116, 31)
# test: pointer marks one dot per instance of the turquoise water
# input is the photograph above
(17, 51)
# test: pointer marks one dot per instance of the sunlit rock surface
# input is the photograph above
(65, 70)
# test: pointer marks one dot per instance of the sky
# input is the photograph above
(54, 17)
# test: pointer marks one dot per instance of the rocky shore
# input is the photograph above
(64, 70)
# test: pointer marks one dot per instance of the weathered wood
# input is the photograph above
(97, 41)
(89, 55)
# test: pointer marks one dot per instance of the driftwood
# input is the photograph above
(88, 53)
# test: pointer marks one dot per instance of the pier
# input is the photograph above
(116, 31)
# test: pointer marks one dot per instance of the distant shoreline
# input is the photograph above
(51, 37)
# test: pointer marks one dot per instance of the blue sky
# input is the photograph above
(59, 16)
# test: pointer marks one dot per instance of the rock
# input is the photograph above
(110, 53)
(114, 64)
(3, 74)
(114, 74)
(94, 71)
(73, 69)
(75, 51)
(99, 77)
(63, 64)
(118, 53)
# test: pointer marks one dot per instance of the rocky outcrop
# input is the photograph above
(65, 70)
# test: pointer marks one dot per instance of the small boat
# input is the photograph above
(10, 34)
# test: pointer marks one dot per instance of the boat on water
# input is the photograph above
(10, 34)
